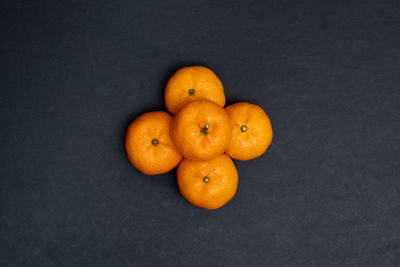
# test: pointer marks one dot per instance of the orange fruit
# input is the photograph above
(149, 145)
(193, 83)
(208, 184)
(251, 131)
(201, 130)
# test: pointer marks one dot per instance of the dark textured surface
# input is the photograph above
(76, 73)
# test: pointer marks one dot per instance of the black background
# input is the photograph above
(76, 73)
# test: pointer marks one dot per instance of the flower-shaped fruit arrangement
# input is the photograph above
(202, 137)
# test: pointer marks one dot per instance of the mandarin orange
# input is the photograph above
(251, 131)
(193, 83)
(208, 184)
(201, 130)
(149, 145)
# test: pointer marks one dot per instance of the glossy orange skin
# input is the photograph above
(221, 187)
(148, 158)
(203, 81)
(255, 140)
(188, 124)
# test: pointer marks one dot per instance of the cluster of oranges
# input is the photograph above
(202, 137)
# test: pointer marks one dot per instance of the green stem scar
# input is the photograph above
(154, 142)
(205, 129)
(191, 91)
(243, 128)
(206, 179)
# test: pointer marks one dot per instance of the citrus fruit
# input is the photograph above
(193, 83)
(149, 145)
(201, 130)
(208, 184)
(251, 131)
